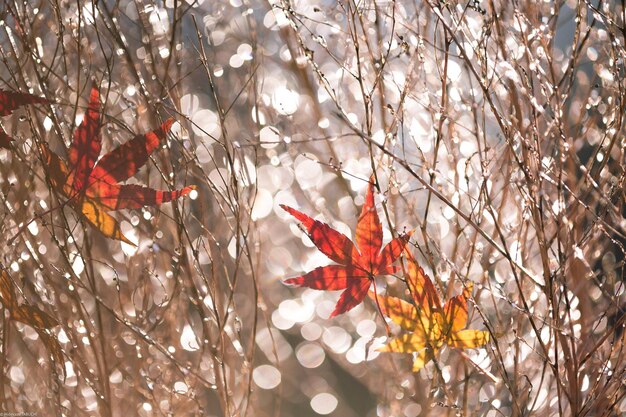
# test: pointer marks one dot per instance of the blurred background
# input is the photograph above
(495, 129)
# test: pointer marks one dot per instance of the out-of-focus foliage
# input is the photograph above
(90, 185)
(494, 127)
(30, 315)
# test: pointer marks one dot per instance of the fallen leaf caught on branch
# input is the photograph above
(429, 324)
(92, 187)
(358, 264)
(10, 101)
(31, 316)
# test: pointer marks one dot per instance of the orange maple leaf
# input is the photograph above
(10, 101)
(429, 324)
(31, 316)
(358, 264)
(92, 186)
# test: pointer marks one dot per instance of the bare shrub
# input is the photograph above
(494, 128)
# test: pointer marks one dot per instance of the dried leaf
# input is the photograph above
(32, 316)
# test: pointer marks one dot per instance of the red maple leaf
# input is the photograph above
(358, 264)
(10, 101)
(92, 188)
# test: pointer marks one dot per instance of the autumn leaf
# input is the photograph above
(358, 264)
(10, 101)
(31, 316)
(92, 186)
(429, 324)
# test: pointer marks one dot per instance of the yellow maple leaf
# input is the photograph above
(428, 324)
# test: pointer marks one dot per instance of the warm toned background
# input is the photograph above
(495, 129)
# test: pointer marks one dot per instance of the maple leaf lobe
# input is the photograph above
(124, 161)
(369, 231)
(9, 101)
(86, 144)
(329, 241)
